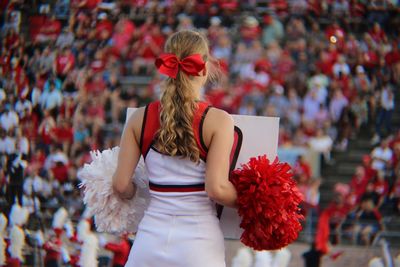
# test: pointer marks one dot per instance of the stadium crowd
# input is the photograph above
(329, 69)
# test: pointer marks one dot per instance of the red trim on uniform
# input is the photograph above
(198, 120)
(176, 189)
(151, 124)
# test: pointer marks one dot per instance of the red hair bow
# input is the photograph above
(169, 64)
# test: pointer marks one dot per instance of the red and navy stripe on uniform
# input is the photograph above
(150, 126)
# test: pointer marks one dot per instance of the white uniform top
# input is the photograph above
(178, 173)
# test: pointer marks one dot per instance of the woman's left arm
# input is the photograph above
(129, 155)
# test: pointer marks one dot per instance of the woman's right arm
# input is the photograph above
(128, 158)
(220, 127)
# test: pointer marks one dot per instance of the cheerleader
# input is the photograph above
(18, 217)
(243, 258)
(54, 244)
(90, 245)
(186, 146)
(120, 250)
(3, 244)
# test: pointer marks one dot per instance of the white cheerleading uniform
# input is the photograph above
(180, 228)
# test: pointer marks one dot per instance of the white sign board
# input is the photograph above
(260, 136)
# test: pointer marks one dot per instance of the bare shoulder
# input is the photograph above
(136, 117)
(135, 121)
(219, 119)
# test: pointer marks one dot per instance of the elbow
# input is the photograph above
(124, 188)
(217, 193)
(119, 186)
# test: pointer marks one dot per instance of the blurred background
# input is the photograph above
(329, 69)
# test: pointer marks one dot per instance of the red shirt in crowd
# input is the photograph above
(216, 96)
(63, 134)
(95, 87)
(67, 110)
(86, 4)
(381, 187)
(147, 41)
(22, 86)
(53, 250)
(392, 57)
(302, 168)
(121, 252)
(358, 185)
(337, 212)
(63, 61)
(315, 7)
(29, 124)
(96, 112)
(377, 35)
(104, 29)
(5, 60)
(122, 35)
(357, 9)
(325, 64)
(51, 28)
(97, 65)
(371, 59)
(136, 3)
(60, 172)
(11, 40)
(395, 192)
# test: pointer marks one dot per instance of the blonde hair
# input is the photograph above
(178, 101)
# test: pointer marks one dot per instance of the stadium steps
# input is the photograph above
(134, 81)
(346, 162)
(343, 168)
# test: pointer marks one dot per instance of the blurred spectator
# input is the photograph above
(322, 143)
(302, 168)
(381, 156)
(394, 196)
(359, 182)
(369, 222)
(65, 39)
(385, 112)
(273, 30)
(9, 119)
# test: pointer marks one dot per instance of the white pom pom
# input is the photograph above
(111, 213)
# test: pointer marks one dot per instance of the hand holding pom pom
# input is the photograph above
(111, 213)
(268, 203)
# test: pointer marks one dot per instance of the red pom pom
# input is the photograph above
(268, 201)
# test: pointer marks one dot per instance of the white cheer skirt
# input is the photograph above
(178, 241)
